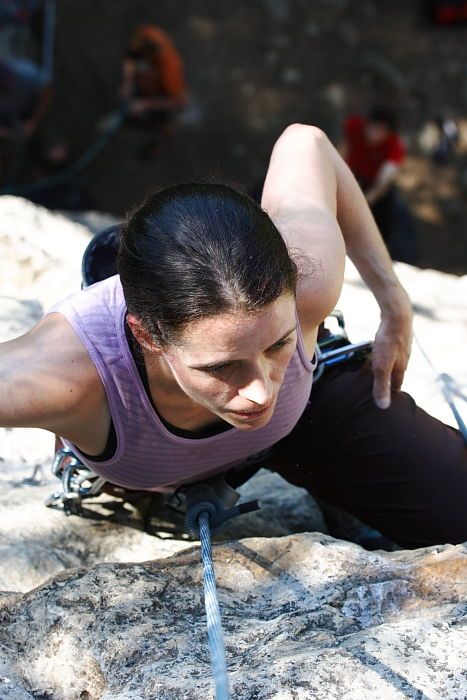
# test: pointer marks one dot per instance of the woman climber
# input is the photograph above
(198, 358)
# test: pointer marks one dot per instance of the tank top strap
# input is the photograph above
(309, 365)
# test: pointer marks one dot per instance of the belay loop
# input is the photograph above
(217, 513)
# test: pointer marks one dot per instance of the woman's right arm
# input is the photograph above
(47, 380)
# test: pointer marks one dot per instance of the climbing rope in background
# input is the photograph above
(78, 165)
(449, 389)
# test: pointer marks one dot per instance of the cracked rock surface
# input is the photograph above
(305, 616)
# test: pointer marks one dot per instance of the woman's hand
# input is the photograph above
(391, 350)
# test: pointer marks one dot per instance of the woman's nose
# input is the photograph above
(258, 389)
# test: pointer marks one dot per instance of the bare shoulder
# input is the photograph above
(47, 378)
(300, 197)
(301, 169)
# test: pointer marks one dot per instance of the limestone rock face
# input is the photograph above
(17, 316)
(305, 616)
(41, 251)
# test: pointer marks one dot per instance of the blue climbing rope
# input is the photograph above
(213, 615)
(204, 516)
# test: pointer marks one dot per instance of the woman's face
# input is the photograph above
(234, 364)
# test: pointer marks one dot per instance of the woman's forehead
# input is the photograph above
(229, 332)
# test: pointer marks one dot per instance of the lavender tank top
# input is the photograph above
(148, 456)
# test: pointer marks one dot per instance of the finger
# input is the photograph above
(397, 377)
(382, 388)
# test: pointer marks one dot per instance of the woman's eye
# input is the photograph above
(281, 343)
(216, 369)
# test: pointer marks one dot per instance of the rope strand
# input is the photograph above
(215, 635)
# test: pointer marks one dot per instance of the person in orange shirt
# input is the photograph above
(153, 81)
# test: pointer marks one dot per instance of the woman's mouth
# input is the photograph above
(251, 415)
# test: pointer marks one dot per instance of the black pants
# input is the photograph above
(398, 470)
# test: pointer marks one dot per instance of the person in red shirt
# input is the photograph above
(446, 12)
(374, 152)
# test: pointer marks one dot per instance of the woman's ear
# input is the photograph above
(141, 334)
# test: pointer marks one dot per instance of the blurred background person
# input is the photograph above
(446, 12)
(375, 152)
(26, 59)
(448, 139)
(153, 83)
(25, 95)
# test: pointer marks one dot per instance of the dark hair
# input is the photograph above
(197, 250)
(142, 49)
(384, 115)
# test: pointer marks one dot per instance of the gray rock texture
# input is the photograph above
(305, 616)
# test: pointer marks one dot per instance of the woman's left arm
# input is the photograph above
(366, 248)
(307, 174)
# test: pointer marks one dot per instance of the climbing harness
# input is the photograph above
(352, 351)
(78, 483)
(334, 348)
